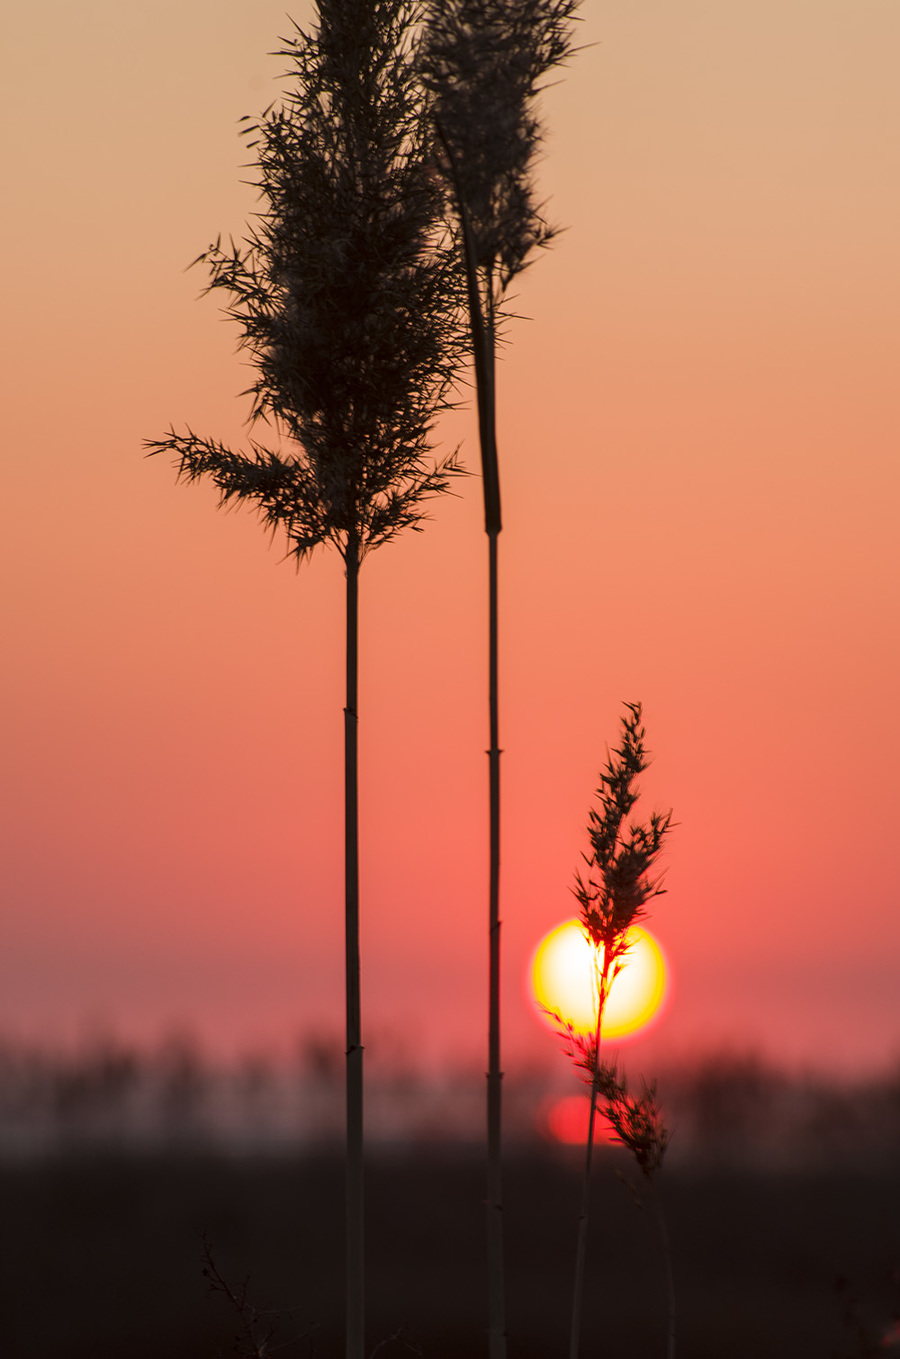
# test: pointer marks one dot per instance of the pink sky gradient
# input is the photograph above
(698, 432)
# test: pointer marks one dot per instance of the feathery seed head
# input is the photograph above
(347, 291)
(484, 61)
(619, 883)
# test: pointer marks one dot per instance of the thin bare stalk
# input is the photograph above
(496, 1290)
(355, 1279)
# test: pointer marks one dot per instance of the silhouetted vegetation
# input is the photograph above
(612, 895)
(347, 295)
(397, 193)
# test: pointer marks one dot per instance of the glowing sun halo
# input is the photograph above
(561, 981)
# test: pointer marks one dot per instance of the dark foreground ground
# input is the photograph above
(101, 1257)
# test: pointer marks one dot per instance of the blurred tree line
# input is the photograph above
(724, 1109)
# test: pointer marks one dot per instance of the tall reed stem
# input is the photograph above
(355, 1293)
(496, 1289)
(483, 345)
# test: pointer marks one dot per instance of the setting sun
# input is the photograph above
(562, 973)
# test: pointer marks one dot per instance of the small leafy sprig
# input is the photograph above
(613, 895)
(618, 884)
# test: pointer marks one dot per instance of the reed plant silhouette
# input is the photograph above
(612, 896)
(484, 61)
(348, 292)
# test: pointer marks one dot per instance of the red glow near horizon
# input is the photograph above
(566, 1120)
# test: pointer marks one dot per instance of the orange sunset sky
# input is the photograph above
(698, 433)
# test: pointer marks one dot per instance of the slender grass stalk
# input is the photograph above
(484, 60)
(348, 294)
(355, 1262)
(497, 1282)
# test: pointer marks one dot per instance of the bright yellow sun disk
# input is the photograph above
(562, 976)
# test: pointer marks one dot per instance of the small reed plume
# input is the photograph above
(613, 895)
